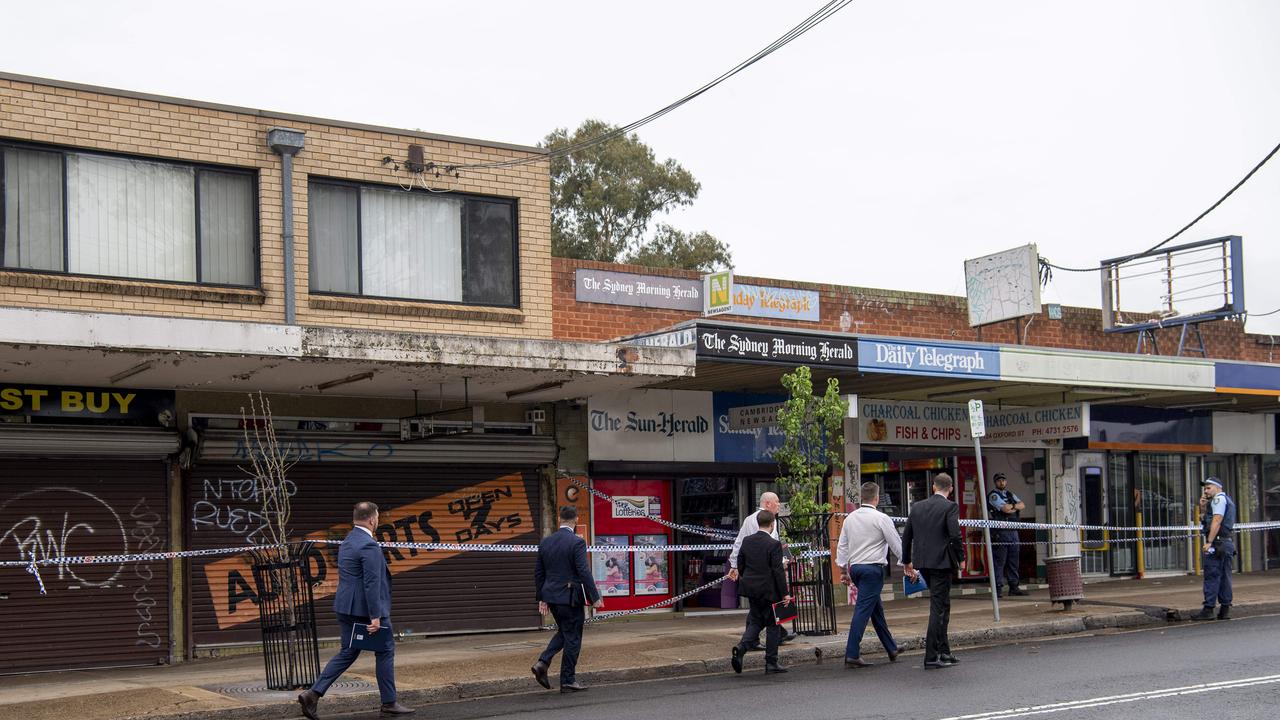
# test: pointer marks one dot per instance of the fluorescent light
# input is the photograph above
(139, 368)
(536, 388)
(345, 380)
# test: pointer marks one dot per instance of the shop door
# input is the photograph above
(1221, 467)
(1271, 508)
(631, 580)
(1094, 546)
(1122, 549)
(93, 615)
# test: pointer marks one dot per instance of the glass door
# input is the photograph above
(1122, 552)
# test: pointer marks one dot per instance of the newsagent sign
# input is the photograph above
(889, 422)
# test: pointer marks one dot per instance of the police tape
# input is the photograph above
(1017, 525)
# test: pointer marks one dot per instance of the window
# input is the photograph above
(92, 214)
(388, 242)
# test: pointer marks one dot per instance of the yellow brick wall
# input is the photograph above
(97, 120)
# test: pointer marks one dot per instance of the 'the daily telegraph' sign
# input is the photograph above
(918, 358)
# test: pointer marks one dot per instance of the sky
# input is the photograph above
(881, 149)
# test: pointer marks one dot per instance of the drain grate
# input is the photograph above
(259, 691)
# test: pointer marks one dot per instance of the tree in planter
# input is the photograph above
(812, 427)
(285, 604)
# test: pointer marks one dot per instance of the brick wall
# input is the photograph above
(97, 119)
(883, 312)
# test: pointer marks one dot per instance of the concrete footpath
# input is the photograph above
(641, 647)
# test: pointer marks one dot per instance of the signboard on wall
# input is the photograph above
(137, 407)
(928, 358)
(717, 292)
(773, 346)
(777, 303)
(654, 425)
(890, 422)
(651, 291)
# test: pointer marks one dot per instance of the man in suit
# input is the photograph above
(565, 587)
(762, 581)
(932, 541)
(364, 596)
(750, 526)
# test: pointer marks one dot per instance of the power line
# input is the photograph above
(1256, 315)
(1046, 264)
(826, 11)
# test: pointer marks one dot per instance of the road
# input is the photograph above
(1190, 670)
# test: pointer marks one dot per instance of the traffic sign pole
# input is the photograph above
(978, 428)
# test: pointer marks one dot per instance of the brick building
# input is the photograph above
(146, 250)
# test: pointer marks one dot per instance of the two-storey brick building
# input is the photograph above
(160, 259)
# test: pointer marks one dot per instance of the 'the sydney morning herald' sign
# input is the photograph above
(776, 347)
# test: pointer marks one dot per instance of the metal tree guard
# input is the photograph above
(287, 614)
(810, 580)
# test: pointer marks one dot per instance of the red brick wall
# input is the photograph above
(883, 312)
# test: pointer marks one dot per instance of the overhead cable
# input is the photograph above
(826, 11)
(1046, 264)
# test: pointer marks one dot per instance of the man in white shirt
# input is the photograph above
(866, 539)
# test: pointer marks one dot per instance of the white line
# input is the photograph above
(1117, 699)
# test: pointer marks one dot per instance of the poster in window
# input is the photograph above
(652, 572)
(612, 569)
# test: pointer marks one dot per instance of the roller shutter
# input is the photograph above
(93, 615)
(433, 592)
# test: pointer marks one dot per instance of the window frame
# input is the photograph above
(63, 150)
(513, 202)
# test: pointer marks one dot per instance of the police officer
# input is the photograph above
(1003, 504)
(1218, 519)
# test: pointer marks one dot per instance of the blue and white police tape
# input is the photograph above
(1018, 525)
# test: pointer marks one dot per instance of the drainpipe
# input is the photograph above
(287, 143)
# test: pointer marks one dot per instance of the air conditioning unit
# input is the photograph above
(537, 415)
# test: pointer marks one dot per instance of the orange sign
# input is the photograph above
(568, 493)
(492, 512)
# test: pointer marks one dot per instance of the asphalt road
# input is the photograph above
(1190, 670)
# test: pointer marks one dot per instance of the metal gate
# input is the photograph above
(810, 580)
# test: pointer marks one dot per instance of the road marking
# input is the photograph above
(1118, 699)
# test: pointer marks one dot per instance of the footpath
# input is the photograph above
(640, 647)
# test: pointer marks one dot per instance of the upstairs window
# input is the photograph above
(91, 214)
(391, 243)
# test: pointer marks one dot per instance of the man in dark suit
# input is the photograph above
(565, 587)
(364, 596)
(762, 581)
(933, 542)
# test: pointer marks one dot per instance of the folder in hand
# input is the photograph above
(784, 611)
(911, 587)
(362, 639)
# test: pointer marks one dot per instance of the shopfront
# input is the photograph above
(684, 456)
(84, 471)
(468, 490)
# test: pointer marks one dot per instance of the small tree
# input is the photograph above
(814, 442)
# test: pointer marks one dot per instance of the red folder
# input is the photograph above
(784, 611)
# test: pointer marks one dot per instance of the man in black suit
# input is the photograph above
(565, 587)
(932, 540)
(762, 581)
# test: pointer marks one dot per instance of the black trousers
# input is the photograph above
(568, 637)
(936, 642)
(760, 616)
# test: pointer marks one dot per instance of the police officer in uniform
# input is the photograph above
(1003, 504)
(1218, 520)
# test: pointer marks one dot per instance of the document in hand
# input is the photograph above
(362, 639)
(784, 611)
(911, 587)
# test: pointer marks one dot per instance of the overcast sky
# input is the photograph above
(880, 150)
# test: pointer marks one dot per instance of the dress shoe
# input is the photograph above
(949, 658)
(540, 674)
(935, 664)
(788, 638)
(308, 700)
(753, 647)
(735, 659)
(1224, 612)
(1015, 590)
(395, 708)
(572, 687)
(856, 663)
(1206, 613)
(773, 668)
(893, 656)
